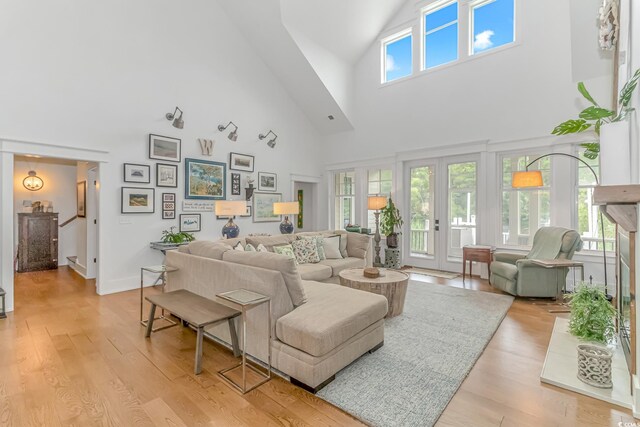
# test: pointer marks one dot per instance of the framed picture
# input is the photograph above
(267, 181)
(164, 148)
(137, 200)
(241, 162)
(189, 222)
(168, 214)
(168, 206)
(168, 197)
(137, 173)
(81, 191)
(204, 179)
(235, 184)
(245, 215)
(166, 175)
(263, 207)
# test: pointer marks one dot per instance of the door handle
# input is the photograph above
(437, 225)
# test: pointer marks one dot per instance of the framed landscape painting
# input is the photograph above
(137, 173)
(190, 222)
(164, 148)
(205, 180)
(267, 181)
(263, 207)
(137, 200)
(241, 162)
(81, 190)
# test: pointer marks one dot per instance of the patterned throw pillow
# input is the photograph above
(262, 248)
(319, 241)
(285, 250)
(306, 251)
(249, 248)
(238, 247)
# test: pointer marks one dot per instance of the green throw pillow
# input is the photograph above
(286, 250)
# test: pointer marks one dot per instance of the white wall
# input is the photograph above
(59, 178)
(103, 75)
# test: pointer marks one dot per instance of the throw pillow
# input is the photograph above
(238, 247)
(331, 246)
(318, 240)
(249, 248)
(305, 251)
(286, 250)
(262, 248)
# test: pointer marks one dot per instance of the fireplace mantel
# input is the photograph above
(619, 203)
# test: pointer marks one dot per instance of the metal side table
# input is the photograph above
(557, 265)
(161, 271)
(244, 300)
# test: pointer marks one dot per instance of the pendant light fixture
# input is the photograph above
(33, 182)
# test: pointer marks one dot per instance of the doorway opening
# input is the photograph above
(304, 190)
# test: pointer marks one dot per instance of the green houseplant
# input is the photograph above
(592, 315)
(390, 220)
(595, 116)
(169, 236)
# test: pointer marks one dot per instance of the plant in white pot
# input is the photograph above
(593, 320)
(611, 130)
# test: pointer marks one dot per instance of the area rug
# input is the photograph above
(428, 351)
(429, 272)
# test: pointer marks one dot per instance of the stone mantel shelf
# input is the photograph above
(619, 203)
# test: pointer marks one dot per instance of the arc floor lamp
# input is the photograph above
(533, 178)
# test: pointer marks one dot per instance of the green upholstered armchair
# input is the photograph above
(518, 275)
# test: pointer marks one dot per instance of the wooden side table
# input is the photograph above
(558, 265)
(477, 253)
(391, 284)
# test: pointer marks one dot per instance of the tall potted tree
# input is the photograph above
(390, 221)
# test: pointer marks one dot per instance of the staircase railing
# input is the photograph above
(68, 221)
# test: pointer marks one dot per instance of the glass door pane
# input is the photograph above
(462, 207)
(422, 203)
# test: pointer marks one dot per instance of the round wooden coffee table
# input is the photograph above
(391, 284)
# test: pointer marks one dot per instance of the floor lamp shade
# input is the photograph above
(286, 209)
(230, 208)
(526, 179)
(375, 203)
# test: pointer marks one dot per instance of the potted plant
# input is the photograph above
(179, 238)
(390, 220)
(611, 133)
(593, 319)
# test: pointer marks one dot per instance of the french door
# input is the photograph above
(441, 199)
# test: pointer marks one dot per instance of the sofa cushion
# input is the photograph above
(306, 251)
(314, 271)
(270, 241)
(286, 266)
(342, 233)
(332, 315)
(504, 269)
(286, 250)
(337, 265)
(208, 249)
(232, 242)
(358, 245)
(331, 246)
(318, 241)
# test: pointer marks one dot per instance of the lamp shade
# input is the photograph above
(527, 179)
(286, 208)
(231, 207)
(375, 203)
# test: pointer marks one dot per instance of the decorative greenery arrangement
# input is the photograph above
(168, 236)
(592, 315)
(595, 116)
(390, 219)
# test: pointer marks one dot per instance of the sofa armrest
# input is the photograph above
(358, 245)
(508, 257)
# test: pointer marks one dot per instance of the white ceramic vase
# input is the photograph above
(615, 154)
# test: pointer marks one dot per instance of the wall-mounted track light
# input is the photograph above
(177, 120)
(272, 142)
(233, 135)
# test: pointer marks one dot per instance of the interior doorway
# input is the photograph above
(305, 191)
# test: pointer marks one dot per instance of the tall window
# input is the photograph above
(380, 184)
(524, 210)
(345, 199)
(462, 206)
(440, 35)
(492, 24)
(588, 221)
(397, 56)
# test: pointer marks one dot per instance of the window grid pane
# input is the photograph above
(380, 184)
(344, 198)
(398, 58)
(441, 36)
(492, 23)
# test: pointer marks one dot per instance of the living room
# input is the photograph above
(325, 104)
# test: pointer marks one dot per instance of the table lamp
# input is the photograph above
(375, 203)
(230, 208)
(286, 209)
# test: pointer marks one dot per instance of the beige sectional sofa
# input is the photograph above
(317, 328)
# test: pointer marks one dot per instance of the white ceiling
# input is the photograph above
(345, 27)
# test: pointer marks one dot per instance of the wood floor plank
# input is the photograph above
(71, 357)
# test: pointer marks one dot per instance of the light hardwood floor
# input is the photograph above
(70, 357)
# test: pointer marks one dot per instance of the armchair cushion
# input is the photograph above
(504, 269)
(508, 257)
